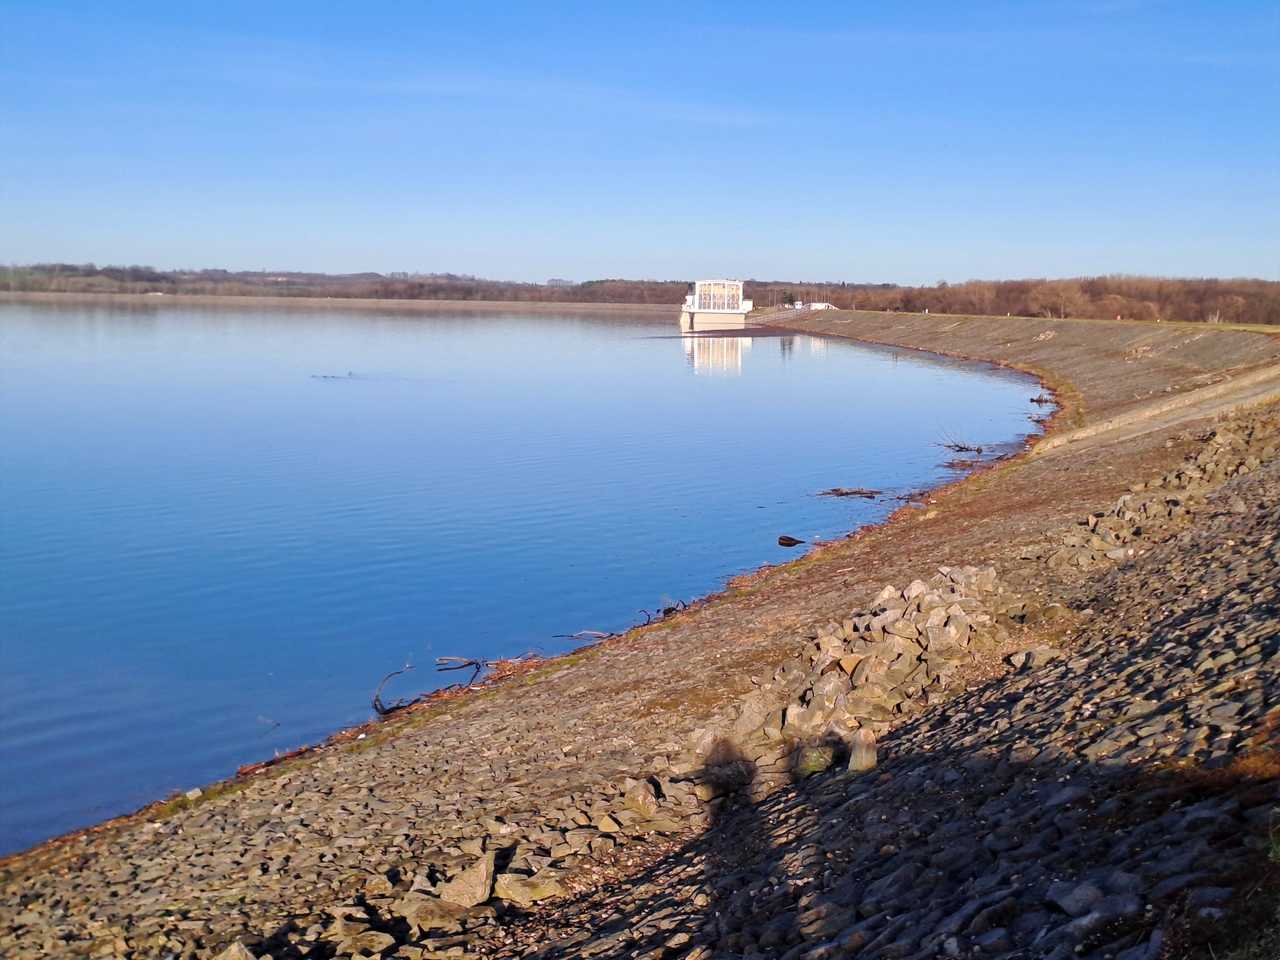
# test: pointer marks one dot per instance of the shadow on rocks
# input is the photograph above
(730, 892)
(740, 860)
(963, 852)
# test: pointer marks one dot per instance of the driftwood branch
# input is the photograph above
(957, 446)
(650, 616)
(864, 492)
(380, 708)
(585, 634)
(948, 442)
(461, 663)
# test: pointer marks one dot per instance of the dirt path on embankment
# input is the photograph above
(1108, 368)
(366, 847)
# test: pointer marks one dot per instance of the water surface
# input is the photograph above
(220, 527)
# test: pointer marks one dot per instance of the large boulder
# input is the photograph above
(426, 914)
(862, 752)
(828, 689)
(810, 760)
(473, 885)
(902, 628)
(801, 722)
(752, 714)
(524, 891)
(642, 799)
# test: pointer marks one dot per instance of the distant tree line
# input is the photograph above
(1126, 297)
(89, 278)
(1133, 298)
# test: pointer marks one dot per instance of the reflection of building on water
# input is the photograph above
(714, 305)
(816, 345)
(716, 355)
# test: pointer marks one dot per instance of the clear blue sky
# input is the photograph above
(883, 142)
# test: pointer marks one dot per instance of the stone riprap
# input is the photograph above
(1110, 535)
(1029, 758)
(874, 667)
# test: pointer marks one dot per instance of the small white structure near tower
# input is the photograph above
(715, 305)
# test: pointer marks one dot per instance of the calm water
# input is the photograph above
(210, 552)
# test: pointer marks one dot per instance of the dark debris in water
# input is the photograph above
(863, 492)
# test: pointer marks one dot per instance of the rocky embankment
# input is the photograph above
(1056, 744)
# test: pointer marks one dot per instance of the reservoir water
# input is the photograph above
(219, 527)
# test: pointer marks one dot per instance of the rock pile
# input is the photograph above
(875, 667)
(1166, 503)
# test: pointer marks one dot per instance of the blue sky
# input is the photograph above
(850, 141)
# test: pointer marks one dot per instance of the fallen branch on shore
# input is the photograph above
(380, 708)
(499, 671)
(585, 635)
(863, 492)
(662, 612)
(913, 496)
(959, 446)
(478, 665)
